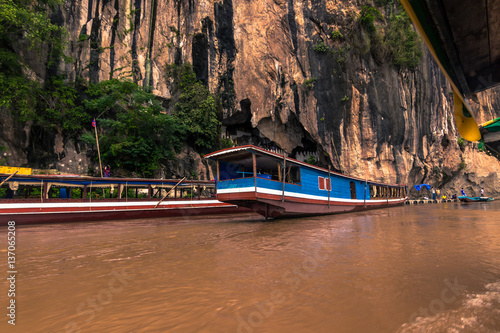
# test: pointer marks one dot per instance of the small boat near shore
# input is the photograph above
(274, 185)
(464, 198)
(33, 199)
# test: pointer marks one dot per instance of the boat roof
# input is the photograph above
(240, 155)
(75, 180)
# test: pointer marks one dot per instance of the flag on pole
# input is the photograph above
(97, 141)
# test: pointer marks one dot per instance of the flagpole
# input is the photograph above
(97, 140)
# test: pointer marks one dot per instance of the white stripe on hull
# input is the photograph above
(302, 196)
(110, 204)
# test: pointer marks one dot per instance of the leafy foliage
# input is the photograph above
(22, 20)
(226, 143)
(311, 159)
(309, 83)
(321, 48)
(137, 135)
(393, 38)
(337, 35)
(368, 16)
(196, 109)
(461, 141)
(403, 41)
(61, 106)
(340, 54)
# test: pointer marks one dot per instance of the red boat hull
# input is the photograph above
(23, 212)
(275, 207)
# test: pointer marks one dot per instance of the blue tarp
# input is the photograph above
(418, 187)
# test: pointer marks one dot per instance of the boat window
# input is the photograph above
(324, 184)
(321, 183)
(229, 170)
(353, 190)
(293, 174)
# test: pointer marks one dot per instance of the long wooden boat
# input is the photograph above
(52, 198)
(464, 198)
(274, 185)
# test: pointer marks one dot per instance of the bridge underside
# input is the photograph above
(464, 37)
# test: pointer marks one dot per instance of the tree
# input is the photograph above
(196, 109)
(25, 20)
(136, 134)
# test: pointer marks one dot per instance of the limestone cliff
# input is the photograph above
(359, 114)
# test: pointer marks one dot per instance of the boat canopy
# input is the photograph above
(265, 162)
(64, 183)
(81, 181)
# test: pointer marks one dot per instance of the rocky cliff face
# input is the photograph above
(359, 114)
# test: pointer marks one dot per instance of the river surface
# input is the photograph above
(413, 268)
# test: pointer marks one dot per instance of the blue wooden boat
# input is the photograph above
(465, 198)
(274, 185)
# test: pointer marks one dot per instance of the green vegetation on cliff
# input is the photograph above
(25, 21)
(136, 132)
(383, 29)
(391, 36)
(195, 108)
(403, 41)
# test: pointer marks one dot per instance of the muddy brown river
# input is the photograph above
(414, 268)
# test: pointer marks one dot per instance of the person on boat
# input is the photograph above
(107, 171)
(482, 192)
(463, 193)
(433, 193)
(454, 197)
